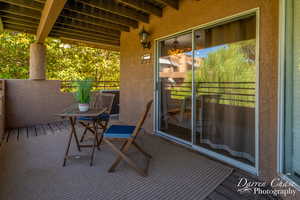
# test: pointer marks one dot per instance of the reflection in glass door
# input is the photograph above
(175, 72)
(207, 88)
(225, 84)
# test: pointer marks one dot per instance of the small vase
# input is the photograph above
(83, 107)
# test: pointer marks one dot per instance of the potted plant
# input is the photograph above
(83, 94)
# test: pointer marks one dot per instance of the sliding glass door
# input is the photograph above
(206, 88)
(175, 86)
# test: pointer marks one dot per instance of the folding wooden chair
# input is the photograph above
(129, 134)
(102, 100)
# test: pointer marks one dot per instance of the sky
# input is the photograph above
(203, 53)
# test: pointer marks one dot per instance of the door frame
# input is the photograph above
(281, 93)
(251, 169)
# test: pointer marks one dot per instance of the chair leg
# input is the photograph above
(103, 127)
(87, 128)
(68, 148)
(101, 138)
(141, 150)
(95, 144)
(124, 157)
(118, 160)
(73, 122)
(83, 135)
(96, 136)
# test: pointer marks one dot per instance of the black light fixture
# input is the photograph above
(144, 39)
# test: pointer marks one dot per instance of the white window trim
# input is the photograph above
(281, 89)
(251, 169)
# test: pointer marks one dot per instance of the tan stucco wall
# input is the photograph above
(34, 102)
(2, 108)
(137, 78)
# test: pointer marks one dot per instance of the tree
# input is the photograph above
(64, 61)
(234, 63)
(14, 55)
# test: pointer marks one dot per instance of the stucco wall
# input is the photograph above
(2, 109)
(34, 102)
(137, 78)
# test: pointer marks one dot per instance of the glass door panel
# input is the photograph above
(175, 86)
(225, 89)
(209, 83)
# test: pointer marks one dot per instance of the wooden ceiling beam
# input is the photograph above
(40, 1)
(92, 20)
(75, 37)
(172, 3)
(25, 4)
(17, 17)
(90, 44)
(100, 14)
(113, 7)
(33, 24)
(60, 23)
(75, 34)
(13, 27)
(63, 37)
(20, 11)
(20, 23)
(86, 33)
(60, 31)
(143, 6)
(88, 27)
(50, 13)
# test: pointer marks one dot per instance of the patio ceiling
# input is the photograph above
(95, 22)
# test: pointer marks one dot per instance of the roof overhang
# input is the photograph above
(97, 23)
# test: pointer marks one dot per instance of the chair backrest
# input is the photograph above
(168, 103)
(142, 119)
(103, 100)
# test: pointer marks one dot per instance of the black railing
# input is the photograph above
(231, 93)
(70, 86)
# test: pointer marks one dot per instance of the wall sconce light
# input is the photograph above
(144, 39)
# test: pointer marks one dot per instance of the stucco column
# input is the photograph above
(37, 70)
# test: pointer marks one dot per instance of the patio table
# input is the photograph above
(72, 113)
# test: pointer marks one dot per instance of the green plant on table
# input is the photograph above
(83, 92)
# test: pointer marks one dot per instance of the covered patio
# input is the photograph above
(210, 68)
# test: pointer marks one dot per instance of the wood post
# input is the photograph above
(50, 13)
(37, 69)
(1, 25)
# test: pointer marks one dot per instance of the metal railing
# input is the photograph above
(231, 93)
(70, 86)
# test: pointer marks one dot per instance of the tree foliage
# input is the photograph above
(64, 61)
(231, 63)
(231, 66)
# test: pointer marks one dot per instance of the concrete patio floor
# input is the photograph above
(31, 168)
